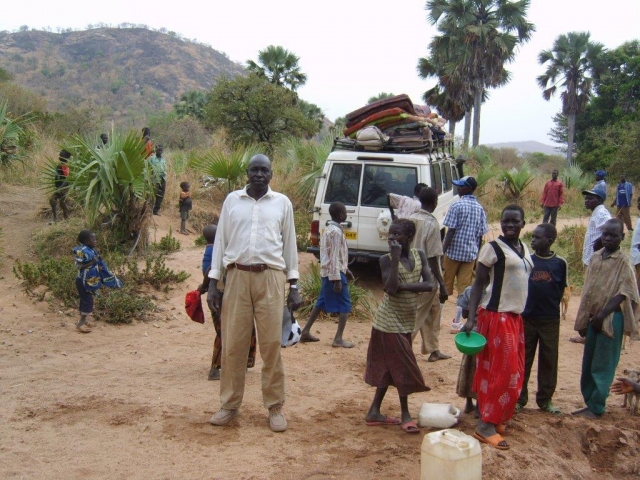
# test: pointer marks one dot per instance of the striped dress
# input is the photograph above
(397, 313)
(390, 357)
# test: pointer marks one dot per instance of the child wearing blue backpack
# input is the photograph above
(93, 273)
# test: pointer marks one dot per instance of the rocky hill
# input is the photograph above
(132, 72)
(530, 146)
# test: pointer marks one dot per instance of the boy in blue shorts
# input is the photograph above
(541, 317)
(334, 293)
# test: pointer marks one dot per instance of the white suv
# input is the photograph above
(361, 180)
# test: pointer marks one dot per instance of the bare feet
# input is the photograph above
(342, 343)
(577, 340)
(184, 232)
(469, 406)
(307, 337)
(586, 413)
(437, 355)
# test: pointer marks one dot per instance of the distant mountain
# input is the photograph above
(132, 72)
(530, 146)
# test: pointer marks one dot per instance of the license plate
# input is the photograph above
(351, 235)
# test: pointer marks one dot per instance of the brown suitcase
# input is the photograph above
(401, 101)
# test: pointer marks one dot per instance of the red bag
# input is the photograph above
(193, 306)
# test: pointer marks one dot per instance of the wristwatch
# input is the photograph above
(294, 287)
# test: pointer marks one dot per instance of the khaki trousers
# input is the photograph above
(623, 213)
(428, 321)
(248, 295)
(462, 270)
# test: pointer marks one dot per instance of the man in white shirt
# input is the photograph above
(594, 201)
(256, 244)
(635, 249)
(403, 207)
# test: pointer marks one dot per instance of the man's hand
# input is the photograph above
(294, 300)
(214, 299)
(596, 322)
(337, 286)
(202, 288)
(444, 295)
(395, 249)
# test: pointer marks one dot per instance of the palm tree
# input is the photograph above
(279, 66)
(192, 103)
(573, 62)
(229, 166)
(446, 105)
(480, 36)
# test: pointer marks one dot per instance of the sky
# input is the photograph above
(352, 50)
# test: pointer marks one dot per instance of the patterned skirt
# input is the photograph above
(500, 365)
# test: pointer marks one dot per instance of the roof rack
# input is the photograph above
(428, 146)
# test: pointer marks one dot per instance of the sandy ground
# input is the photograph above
(133, 402)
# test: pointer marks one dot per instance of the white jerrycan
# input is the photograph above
(450, 455)
(438, 415)
(383, 223)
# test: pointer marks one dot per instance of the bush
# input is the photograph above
(310, 283)
(168, 243)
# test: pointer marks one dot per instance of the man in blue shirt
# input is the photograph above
(467, 223)
(622, 200)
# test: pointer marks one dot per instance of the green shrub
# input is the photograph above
(362, 300)
(168, 243)
(302, 221)
(123, 305)
(200, 241)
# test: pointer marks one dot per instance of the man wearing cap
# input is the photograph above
(467, 223)
(600, 174)
(256, 244)
(552, 198)
(622, 200)
(594, 201)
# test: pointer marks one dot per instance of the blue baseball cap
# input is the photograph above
(599, 191)
(466, 182)
(602, 173)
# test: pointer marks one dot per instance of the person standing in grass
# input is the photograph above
(607, 311)
(552, 198)
(390, 358)
(334, 292)
(61, 186)
(624, 200)
(159, 176)
(429, 311)
(184, 205)
(541, 317)
(498, 297)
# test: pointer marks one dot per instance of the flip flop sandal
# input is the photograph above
(410, 427)
(494, 440)
(386, 421)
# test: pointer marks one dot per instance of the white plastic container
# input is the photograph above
(438, 415)
(450, 455)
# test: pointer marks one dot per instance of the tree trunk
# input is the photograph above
(476, 117)
(452, 129)
(571, 130)
(467, 128)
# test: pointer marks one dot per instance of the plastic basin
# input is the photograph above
(470, 344)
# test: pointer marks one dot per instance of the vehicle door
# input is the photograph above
(378, 180)
(343, 185)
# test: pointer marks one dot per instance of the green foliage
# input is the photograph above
(362, 300)
(168, 243)
(155, 273)
(230, 166)
(200, 241)
(517, 180)
(256, 111)
(123, 305)
(113, 183)
(302, 221)
(178, 132)
(192, 104)
(279, 66)
(574, 178)
(12, 135)
(312, 112)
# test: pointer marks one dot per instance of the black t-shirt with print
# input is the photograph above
(546, 287)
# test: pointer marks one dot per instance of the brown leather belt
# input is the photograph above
(256, 267)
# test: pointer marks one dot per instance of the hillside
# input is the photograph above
(130, 71)
(530, 146)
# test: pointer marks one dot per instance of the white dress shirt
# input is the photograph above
(598, 218)
(256, 231)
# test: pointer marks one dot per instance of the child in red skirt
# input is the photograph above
(390, 358)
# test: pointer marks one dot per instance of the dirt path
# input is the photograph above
(132, 402)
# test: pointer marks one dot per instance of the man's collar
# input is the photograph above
(332, 222)
(615, 254)
(244, 192)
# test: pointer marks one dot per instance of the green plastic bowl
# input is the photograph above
(470, 344)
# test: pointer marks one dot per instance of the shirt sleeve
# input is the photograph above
(561, 194)
(432, 242)
(220, 244)
(487, 256)
(545, 190)
(485, 225)
(394, 200)
(290, 247)
(451, 218)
